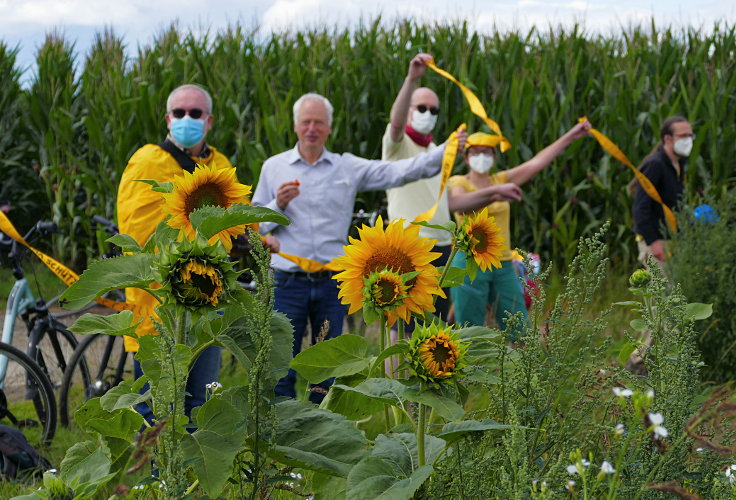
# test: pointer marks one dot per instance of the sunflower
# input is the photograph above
(484, 240)
(208, 185)
(435, 353)
(384, 291)
(198, 275)
(399, 250)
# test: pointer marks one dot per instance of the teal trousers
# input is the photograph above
(501, 289)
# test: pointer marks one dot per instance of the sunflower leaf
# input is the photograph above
(159, 187)
(452, 431)
(378, 364)
(112, 324)
(109, 274)
(209, 221)
(455, 276)
(344, 355)
(125, 242)
(448, 226)
(375, 478)
(366, 398)
(442, 405)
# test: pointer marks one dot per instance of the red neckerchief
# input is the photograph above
(419, 139)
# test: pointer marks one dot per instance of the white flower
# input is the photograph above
(730, 473)
(650, 394)
(572, 469)
(607, 468)
(602, 371)
(619, 429)
(623, 392)
(659, 431)
(570, 485)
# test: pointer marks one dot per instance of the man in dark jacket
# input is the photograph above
(665, 168)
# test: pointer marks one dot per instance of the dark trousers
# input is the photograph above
(304, 299)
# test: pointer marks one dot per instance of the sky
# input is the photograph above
(24, 23)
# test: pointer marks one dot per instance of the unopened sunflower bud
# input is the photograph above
(640, 278)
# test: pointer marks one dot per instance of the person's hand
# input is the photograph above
(418, 66)
(657, 249)
(462, 138)
(506, 192)
(286, 192)
(580, 130)
(271, 243)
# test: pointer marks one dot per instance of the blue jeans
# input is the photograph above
(205, 371)
(303, 299)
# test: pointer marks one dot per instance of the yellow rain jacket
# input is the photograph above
(140, 211)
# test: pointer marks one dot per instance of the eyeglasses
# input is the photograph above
(195, 113)
(432, 109)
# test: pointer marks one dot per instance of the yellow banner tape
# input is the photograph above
(646, 184)
(475, 105)
(60, 270)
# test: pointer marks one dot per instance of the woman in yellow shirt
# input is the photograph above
(499, 288)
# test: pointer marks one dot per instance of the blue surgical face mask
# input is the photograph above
(187, 131)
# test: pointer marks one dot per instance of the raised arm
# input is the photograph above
(459, 200)
(521, 174)
(400, 107)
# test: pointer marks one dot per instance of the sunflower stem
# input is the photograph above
(198, 351)
(420, 433)
(455, 249)
(382, 335)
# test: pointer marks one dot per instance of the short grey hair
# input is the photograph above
(207, 96)
(314, 97)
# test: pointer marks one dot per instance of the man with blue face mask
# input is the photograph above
(188, 118)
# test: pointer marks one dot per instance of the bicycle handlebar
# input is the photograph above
(106, 225)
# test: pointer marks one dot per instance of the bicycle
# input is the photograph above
(49, 342)
(97, 364)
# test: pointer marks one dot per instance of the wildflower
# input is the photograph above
(578, 467)
(435, 353)
(731, 473)
(570, 486)
(484, 240)
(607, 468)
(396, 249)
(206, 186)
(640, 278)
(623, 392)
(602, 371)
(196, 274)
(650, 394)
(655, 422)
(619, 429)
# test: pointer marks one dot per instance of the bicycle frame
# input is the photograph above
(20, 299)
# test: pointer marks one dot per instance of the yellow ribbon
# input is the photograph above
(475, 105)
(646, 184)
(448, 161)
(309, 265)
(60, 270)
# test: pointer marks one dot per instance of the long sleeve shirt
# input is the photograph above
(648, 214)
(320, 215)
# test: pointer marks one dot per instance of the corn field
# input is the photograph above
(67, 137)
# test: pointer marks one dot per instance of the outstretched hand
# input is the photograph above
(580, 129)
(507, 192)
(462, 138)
(418, 66)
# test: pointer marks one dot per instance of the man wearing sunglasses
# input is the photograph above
(413, 117)
(188, 119)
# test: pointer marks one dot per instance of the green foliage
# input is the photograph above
(82, 127)
(701, 262)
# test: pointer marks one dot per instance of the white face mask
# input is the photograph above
(481, 163)
(683, 146)
(423, 122)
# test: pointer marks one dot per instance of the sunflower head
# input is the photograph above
(436, 354)
(396, 250)
(208, 185)
(481, 238)
(198, 275)
(384, 291)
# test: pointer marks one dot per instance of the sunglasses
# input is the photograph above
(432, 109)
(195, 113)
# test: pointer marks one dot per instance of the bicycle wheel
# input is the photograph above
(26, 397)
(98, 364)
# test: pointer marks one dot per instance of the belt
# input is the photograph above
(317, 275)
